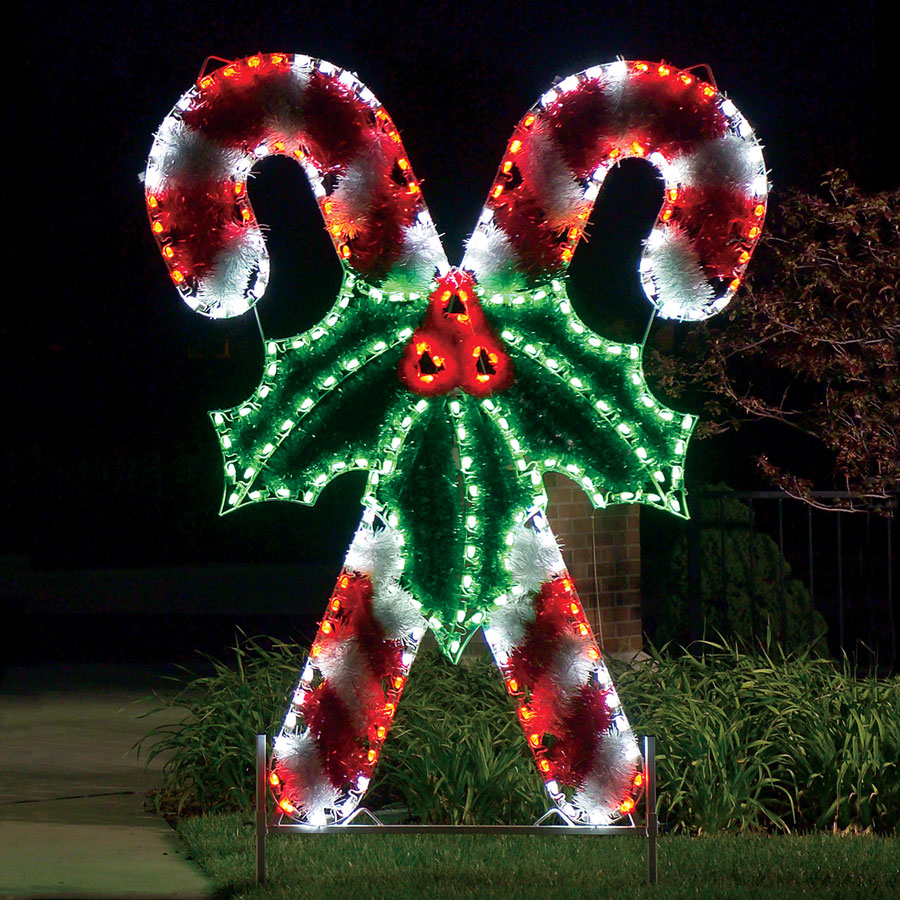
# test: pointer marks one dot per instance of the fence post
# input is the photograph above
(650, 801)
(840, 583)
(694, 574)
(890, 594)
(811, 633)
(261, 823)
(782, 595)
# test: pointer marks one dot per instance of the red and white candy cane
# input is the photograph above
(567, 706)
(200, 213)
(536, 213)
(287, 105)
(563, 148)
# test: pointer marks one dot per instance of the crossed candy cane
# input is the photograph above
(455, 389)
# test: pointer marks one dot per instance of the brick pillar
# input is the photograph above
(602, 548)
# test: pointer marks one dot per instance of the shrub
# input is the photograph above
(210, 751)
(768, 740)
(746, 741)
(456, 753)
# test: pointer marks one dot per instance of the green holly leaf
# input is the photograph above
(327, 404)
(581, 406)
(455, 495)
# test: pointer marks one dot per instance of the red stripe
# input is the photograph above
(328, 718)
(236, 111)
(337, 126)
(356, 619)
(663, 113)
(522, 217)
(379, 243)
(717, 221)
(199, 221)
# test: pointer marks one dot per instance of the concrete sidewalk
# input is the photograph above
(71, 790)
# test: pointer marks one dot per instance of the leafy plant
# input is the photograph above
(456, 753)
(746, 741)
(210, 750)
(740, 575)
(768, 740)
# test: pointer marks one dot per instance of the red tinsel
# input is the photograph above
(355, 619)
(523, 219)
(379, 242)
(663, 113)
(578, 732)
(429, 365)
(330, 721)
(337, 125)
(562, 730)
(199, 221)
(235, 110)
(718, 222)
(533, 657)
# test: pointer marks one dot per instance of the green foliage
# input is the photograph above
(737, 562)
(456, 753)
(746, 741)
(210, 752)
(762, 741)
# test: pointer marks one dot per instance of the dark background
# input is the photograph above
(109, 458)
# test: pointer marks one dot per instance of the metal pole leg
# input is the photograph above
(261, 825)
(652, 824)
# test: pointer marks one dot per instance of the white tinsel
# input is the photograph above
(352, 198)
(421, 253)
(682, 288)
(534, 558)
(345, 667)
(612, 774)
(182, 156)
(551, 181)
(614, 75)
(571, 666)
(377, 554)
(236, 278)
(490, 256)
(283, 107)
(730, 162)
(305, 783)
(396, 611)
(506, 623)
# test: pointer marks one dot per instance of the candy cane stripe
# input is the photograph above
(583, 746)
(343, 707)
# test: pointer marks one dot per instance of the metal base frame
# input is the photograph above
(649, 829)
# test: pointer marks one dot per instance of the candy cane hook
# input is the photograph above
(334, 127)
(562, 150)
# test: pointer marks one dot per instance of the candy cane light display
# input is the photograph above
(454, 388)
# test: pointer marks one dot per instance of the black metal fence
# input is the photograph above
(763, 566)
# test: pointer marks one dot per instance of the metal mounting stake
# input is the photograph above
(649, 829)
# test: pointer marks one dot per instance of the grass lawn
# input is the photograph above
(516, 867)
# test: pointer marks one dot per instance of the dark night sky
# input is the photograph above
(110, 375)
